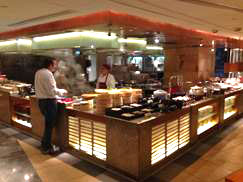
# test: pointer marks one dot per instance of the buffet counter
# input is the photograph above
(138, 148)
(134, 148)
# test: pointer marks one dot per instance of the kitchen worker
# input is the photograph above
(46, 93)
(106, 79)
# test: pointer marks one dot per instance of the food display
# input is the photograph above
(196, 92)
(15, 87)
(186, 100)
(136, 95)
(144, 107)
(206, 118)
(103, 101)
(117, 99)
(107, 98)
(126, 112)
(3, 79)
(89, 96)
(9, 88)
(21, 112)
(83, 105)
(229, 107)
(161, 94)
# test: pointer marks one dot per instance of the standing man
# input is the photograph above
(46, 93)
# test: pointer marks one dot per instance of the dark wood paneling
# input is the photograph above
(59, 135)
(240, 103)
(233, 67)
(37, 118)
(5, 108)
(145, 142)
(123, 147)
(221, 109)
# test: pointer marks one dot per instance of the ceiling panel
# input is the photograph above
(16, 11)
(207, 15)
(238, 4)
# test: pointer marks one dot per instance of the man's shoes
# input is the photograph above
(48, 151)
(51, 151)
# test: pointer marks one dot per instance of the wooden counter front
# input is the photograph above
(138, 148)
(59, 133)
(5, 108)
(134, 149)
(130, 148)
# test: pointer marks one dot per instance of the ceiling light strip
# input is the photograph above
(91, 34)
(7, 43)
(154, 48)
(132, 41)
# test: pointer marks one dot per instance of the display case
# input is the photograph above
(20, 113)
(230, 108)
(207, 118)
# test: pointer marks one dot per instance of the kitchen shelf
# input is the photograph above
(229, 106)
(22, 114)
(23, 123)
(207, 117)
(229, 114)
(206, 127)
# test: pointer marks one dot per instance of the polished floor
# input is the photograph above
(208, 161)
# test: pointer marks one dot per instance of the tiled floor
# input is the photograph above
(208, 161)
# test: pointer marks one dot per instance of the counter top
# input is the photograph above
(92, 113)
(20, 97)
(137, 121)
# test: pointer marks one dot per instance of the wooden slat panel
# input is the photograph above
(99, 139)
(161, 146)
(73, 132)
(158, 143)
(99, 146)
(100, 132)
(155, 136)
(158, 140)
(184, 135)
(184, 131)
(172, 143)
(103, 144)
(100, 136)
(168, 137)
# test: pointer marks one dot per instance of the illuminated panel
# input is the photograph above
(99, 140)
(229, 107)
(172, 142)
(168, 138)
(206, 118)
(158, 143)
(86, 136)
(73, 132)
(184, 131)
(22, 122)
